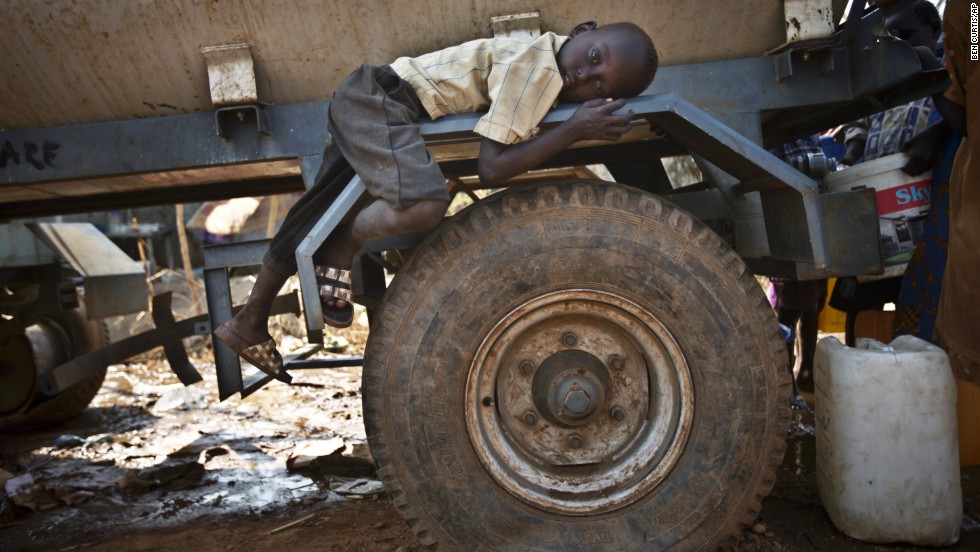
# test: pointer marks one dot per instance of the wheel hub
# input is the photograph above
(570, 387)
(580, 402)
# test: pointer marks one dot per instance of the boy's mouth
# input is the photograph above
(568, 82)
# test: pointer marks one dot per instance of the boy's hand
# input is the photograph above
(923, 154)
(594, 120)
(923, 148)
(855, 149)
(928, 59)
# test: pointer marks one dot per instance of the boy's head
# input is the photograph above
(611, 61)
(918, 24)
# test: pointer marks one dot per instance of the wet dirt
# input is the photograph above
(152, 465)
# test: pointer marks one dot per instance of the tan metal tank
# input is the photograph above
(83, 61)
(564, 365)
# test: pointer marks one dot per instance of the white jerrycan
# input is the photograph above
(887, 449)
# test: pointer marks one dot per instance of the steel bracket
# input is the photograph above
(225, 118)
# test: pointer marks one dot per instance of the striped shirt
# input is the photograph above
(516, 82)
(885, 133)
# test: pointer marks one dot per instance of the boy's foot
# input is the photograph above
(262, 353)
(334, 285)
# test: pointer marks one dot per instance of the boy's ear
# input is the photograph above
(583, 28)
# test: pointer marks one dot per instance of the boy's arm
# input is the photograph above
(855, 148)
(953, 114)
(855, 138)
(593, 121)
(923, 148)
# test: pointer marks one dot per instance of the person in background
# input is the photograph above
(799, 302)
(934, 148)
(887, 133)
(958, 321)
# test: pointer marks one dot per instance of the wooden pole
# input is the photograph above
(270, 228)
(185, 256)
(141, 247)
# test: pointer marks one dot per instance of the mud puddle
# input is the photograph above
(150, 454)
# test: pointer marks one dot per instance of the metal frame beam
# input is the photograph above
(729, 109)
(769, 99)
(176, 142)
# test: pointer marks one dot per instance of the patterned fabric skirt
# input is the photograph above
(918, 301)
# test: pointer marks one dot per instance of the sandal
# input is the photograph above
(266, 357)
(335, 283)
(263, 356)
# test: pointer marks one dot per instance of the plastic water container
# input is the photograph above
(903, 206)
(887, 451)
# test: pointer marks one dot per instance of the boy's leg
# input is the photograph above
(251, 324)
(377, 220)
(386, 115)
(380, 220)
(334, 174)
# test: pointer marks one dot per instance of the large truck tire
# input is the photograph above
(574, 366)
(41, 347)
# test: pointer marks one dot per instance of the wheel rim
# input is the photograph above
(579, 402)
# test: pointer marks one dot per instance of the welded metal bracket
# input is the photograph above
(227, 118)
(234, 91)
(519, 26)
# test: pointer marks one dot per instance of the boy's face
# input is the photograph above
(601, 64)
(906, 25)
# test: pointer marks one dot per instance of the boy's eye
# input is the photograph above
(594, 55)
(901, 34)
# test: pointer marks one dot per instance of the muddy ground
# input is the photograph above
(152, 465)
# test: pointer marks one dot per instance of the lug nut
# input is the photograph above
(530, 418)
(575, 442)
(616, 362)
(577, 402)
(527, 367)
(618, 414)
(569, 339)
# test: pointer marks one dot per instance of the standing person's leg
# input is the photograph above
(788, 313)
(800, 304)
(790, 318)
(809, 329)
